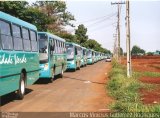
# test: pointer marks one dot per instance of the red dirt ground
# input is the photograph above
(151, 64)
(145, 63)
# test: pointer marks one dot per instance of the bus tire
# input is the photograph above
(22, 86)
(76, 67)
(79, 66)
(53, 75)
(62, 72)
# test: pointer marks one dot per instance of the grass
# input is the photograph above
(151, 74)
(125, 90)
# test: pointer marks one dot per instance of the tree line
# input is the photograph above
(51, 16)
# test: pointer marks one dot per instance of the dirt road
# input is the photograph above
(82, 91)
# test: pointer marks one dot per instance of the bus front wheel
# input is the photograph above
(22, 86)
(62, 71)
(79, 66)
(53, 75)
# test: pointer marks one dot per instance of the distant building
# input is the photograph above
(157, 52)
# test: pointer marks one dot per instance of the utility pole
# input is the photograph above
(118, 25)
(115, 46)
(129, 73)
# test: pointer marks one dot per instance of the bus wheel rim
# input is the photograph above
(22, 86)
(62, 71)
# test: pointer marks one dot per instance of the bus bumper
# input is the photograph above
(89, 61)
(82, 62)
(71, 65)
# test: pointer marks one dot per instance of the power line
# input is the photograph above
(95, 19)
(100, 21)
(100, 28)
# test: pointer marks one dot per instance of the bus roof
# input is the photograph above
(53, 36)
(73, 44)
(15, 20)
(84, 48)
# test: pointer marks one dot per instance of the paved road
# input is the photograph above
(83, 90)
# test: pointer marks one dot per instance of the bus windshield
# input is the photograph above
(89, 54)
(43, 47)
(70, 51)
(79, 50)
(84, 52)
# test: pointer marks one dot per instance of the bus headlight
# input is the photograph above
(72, 62)
(46, 67)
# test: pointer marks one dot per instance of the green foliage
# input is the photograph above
(56, 11)
(34, 16)
(14, 8)
(125, 91)
(51, 16)
(136, 50)
(46, 15)
(150, 53)
(80, 34)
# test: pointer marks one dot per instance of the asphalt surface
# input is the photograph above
(80, 91)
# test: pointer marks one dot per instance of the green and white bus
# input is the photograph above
(99, 58)
(19, 56)
(84, 56)
(52, 51)
(96, 56)
(90, 56)
(73, 56)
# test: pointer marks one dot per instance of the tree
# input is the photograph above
(67, 36)
(80, 34)
(38, 18)
(15, 8)
(150, 53)
(46, 15)
(136, 50)
(56, 10)
(93, 44)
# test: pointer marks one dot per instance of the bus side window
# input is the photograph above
(17, 38)
(56, 47)
(59, 47)
(59, 51)
(53, 45)
(63, 47)
(6, 38)
(26, 41)
(33, 36)
(50, 45)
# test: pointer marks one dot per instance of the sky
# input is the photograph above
(100, 18)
